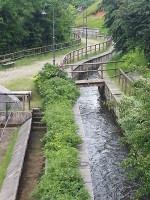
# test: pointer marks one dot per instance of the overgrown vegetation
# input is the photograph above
(6, 160)
(62, 179)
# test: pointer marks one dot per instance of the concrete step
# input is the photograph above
(36, 128)
(38, 124)
(37, 119)
(37, 115)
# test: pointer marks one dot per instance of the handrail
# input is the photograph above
(22, 95)
(70, 57)
(2, 133)
(126, 82)
(42, 50)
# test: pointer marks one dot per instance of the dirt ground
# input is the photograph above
(33, 166)
(8, 134)
(100, 14)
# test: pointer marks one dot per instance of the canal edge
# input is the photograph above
(84, 167)
(10, 184)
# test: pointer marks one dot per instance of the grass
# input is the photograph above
(93, 21)
(33, 59)
(7, 158)
(30, 60)
(111, 73)
(25, 84)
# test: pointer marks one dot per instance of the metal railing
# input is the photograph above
(8, 116)
(24, 95)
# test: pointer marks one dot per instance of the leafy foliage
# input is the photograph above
(22, 25)
(62, 179)
(135, 121)
(128, 23)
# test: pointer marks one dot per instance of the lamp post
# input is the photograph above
(84, 8)
(44, 13)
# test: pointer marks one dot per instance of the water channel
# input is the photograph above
(105, 153)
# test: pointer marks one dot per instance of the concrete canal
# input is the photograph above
(105, 153)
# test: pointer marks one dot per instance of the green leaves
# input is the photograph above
(135, 121)
(62, 179)
(128, 23)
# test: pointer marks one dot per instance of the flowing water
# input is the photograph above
(105, 152)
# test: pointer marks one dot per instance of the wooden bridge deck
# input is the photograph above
(90, 82)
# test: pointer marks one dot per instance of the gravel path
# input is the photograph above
(30, 70)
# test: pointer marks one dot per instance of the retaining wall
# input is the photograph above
(91, 32)
(110, 90)
(10, 185)
(17, 118)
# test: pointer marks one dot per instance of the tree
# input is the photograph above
(22, 25)
(128, 23)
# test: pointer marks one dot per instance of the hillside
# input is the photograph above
(95, 17)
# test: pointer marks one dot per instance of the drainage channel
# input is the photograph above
(34, 161)
(105, 153)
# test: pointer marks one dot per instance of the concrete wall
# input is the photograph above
(14, 170)
(103, 57)
(17, 118)
(91, 32)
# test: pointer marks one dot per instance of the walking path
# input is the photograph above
(30, 70)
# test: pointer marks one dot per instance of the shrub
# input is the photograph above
(135, 121)
(62, 179)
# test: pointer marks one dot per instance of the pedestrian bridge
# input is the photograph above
(90, 82)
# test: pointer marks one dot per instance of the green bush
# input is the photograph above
(135, 121)
(62, 180)
(134, 58)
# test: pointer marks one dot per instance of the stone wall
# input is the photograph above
(91, 32)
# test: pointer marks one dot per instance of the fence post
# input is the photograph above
(87, 74)
(122, 82)
(29, 102)
(23, 100)
(6, 111)
(119, 76)
(78, 55)
(115, 68)
(72, 71)
(125, 89)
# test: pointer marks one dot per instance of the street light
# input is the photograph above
(44, 13)
(84, 9)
